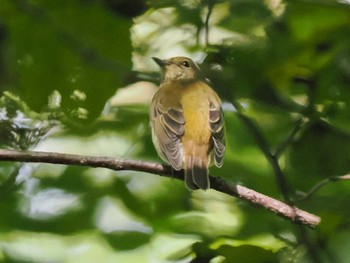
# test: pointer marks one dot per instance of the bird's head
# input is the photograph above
(178, 68)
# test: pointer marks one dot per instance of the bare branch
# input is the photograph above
(286, 211)
(320, 184)
(296, 129)
(270, 157)
(206, 22)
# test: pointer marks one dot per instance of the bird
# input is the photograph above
(187, 121)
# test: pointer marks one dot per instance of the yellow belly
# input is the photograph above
(195, 104)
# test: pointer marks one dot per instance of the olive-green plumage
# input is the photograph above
(187, 121)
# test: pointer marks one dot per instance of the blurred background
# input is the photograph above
(77, 77)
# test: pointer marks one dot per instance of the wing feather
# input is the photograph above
(168, 128)
(217, 127)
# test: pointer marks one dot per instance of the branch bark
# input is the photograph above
(284, 210)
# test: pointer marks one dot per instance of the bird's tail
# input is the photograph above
(196, 173)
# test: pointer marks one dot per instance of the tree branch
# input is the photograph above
(289, 212)
(270, 157)
(210, 7)
(319, 185)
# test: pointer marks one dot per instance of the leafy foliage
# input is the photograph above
(281, 67)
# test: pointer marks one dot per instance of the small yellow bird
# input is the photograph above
(187, 121)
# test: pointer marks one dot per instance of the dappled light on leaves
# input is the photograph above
(77, 77)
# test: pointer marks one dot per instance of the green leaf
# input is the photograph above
(68, 48)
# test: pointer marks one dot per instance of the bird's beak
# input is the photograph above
(161, 63)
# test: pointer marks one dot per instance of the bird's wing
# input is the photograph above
(168, 128)
(217, 128)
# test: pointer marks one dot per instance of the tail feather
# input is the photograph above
(196, 173)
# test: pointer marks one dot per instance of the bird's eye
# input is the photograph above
(185, 63)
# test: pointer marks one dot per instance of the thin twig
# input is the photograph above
(206, 22)
(320, 184)
(284, 210)
(311, 248)
(264, 147)
(297, 127)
